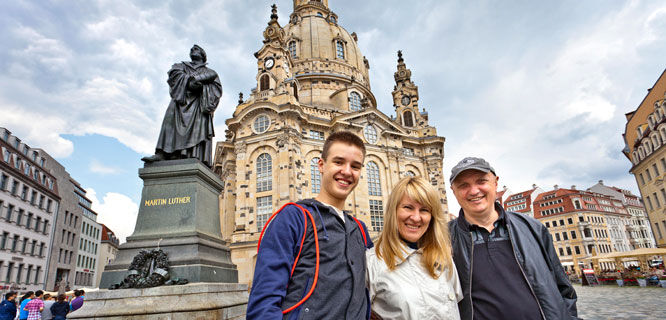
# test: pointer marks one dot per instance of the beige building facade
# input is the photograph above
(312, 80)
(645, 138)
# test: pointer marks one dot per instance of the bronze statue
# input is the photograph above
(187, 128)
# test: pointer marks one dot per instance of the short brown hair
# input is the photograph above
(342, 136)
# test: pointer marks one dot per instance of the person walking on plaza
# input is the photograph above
(60, 309)
(77, 302)
(35, 306)
(328, 280)
(23, 314)
(8, 306)
(410, 273)
(506, 261)
(48, 302)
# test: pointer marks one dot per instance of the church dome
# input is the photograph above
(323, 51)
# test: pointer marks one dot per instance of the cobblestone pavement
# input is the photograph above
(613, 302)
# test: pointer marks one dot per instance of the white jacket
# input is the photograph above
(409, 292)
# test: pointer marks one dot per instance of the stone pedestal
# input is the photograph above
(205, 301)
(179, 213)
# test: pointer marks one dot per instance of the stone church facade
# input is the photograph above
(312, 80)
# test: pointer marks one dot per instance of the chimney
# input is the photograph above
(556, 187)
(573, 187)
(601, 182)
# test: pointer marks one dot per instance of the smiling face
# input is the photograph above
(340, 172)
(413, 219)
(476, 192)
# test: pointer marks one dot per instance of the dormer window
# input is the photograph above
(339, 49)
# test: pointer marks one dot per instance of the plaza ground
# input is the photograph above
(613, 302)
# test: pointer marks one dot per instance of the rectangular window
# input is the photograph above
(376, 215)
(565, 236)
(640, 175)
(557, 236)
(25, 244)
(568, 251)
(577, 250)
(317, 135)
(648, 174)
(41, 249)
(19, 218)
(264, 210)
(10, 268)
(569, 221)
(3, 240)
(33, 198)
(3, 181)
(663, 163)
(10, 211)
(24, 193)
(561, 222)
(656, 170)
(45, 225)
(14, 187)
(37, 271)
(561, 252)
(32, 247)
(573, 234)
(19, 273)
(41, 201)
(15, 243)
(649, 201)
(656, 200)
(547, 224)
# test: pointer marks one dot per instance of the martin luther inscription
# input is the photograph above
(166, 201)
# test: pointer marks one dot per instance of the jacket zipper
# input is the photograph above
(471, 270)
(529, 285)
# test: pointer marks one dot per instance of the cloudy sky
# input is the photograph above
(539, 89)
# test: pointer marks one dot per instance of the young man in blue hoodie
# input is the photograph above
(280, 289)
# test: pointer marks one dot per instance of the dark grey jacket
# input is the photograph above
(534, 251)
(340, 292)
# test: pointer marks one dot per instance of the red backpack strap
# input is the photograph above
(365, 240)
(306, 214)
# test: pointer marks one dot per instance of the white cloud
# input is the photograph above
(117, 211)
(97, 167)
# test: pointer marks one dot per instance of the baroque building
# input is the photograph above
(645, 141)
(312, 80)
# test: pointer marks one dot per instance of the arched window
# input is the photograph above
(264, 172)
(339, 49)
(374, 182)
(292, 48)
(407, 119)
(264, 83)
(354, 101)
(315, 175)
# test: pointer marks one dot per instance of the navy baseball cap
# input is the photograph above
(470, 163)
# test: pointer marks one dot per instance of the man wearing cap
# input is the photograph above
(506, 262)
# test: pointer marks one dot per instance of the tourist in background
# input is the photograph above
(49, 300)
(8, 306)
(77, 302)
(60, 309)
(410, 273)
(35, 306)
(23, 314)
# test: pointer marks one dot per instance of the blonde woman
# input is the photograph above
(410, 271)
